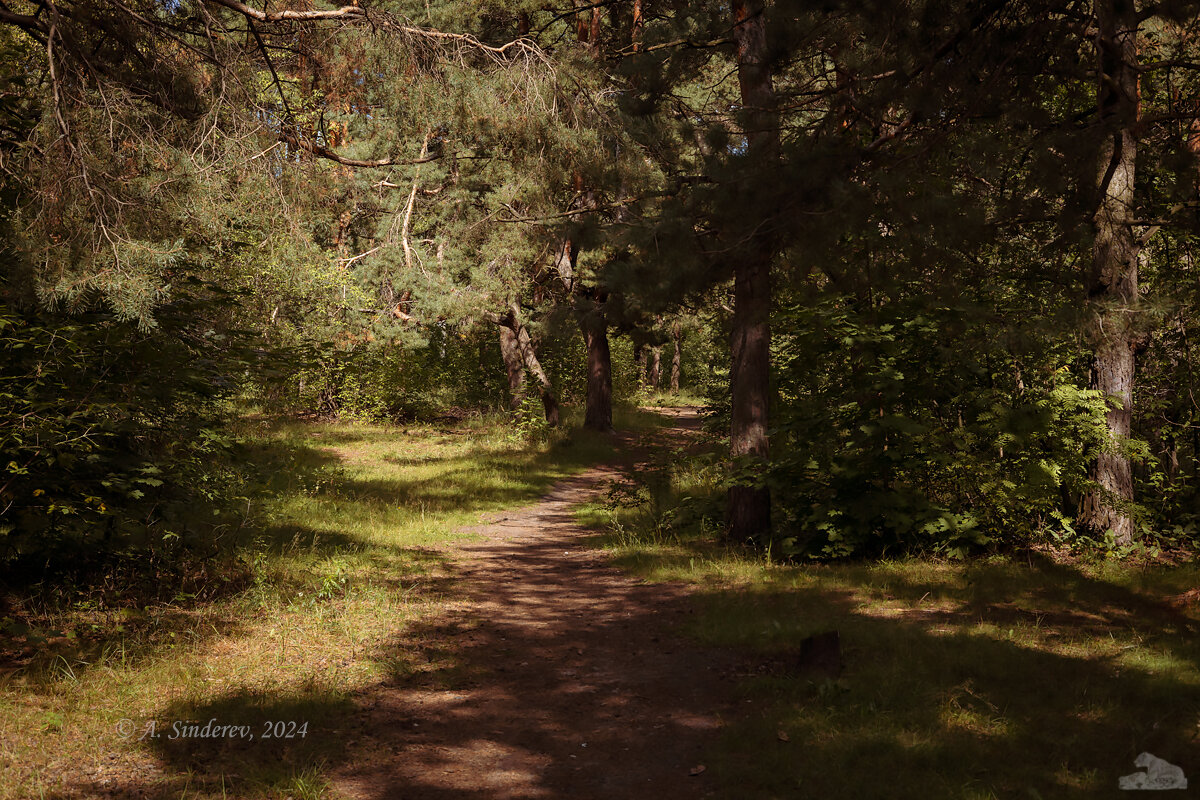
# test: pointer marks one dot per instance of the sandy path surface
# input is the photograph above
(566, 678)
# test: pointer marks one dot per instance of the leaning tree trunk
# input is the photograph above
(750, 343)
(1113, 282)
(510, 351)
(528, 357)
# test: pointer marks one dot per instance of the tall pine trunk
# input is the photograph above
(639, 363)
(1113, 282)
(750, 344)
(588, 305)
(598, 409)
(594, 324)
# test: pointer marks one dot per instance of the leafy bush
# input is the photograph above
(110, 433)
(926, 429)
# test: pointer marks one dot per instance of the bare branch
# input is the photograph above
(281, 16)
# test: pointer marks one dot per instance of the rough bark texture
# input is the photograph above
(528, 356)
(510, 351)
(750, 345)
(1113, 282)
(588, 304)
(654, 367)
(598, 411)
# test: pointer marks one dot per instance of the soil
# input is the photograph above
(559, 676)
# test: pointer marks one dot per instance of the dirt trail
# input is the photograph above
(571, 679)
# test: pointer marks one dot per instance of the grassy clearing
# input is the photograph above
(341, 550)
(1003, 677)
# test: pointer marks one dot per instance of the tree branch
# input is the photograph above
(287, 15)
(326, 153)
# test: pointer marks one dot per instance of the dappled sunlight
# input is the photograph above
(343, 550)
(981, 679)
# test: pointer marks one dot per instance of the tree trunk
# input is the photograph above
(588, 304)
(598, 411)
(750, 342)
(524, 349)
(510, 351)
(654, 367)
(676, 358)
(549, 403)
(1113, 282)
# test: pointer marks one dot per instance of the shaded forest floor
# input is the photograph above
(444, 633)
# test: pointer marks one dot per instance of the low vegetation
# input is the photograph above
(1030, 674)
(341, 547)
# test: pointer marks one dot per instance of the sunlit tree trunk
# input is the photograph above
(1113, 282)
(528, 357)
(654, 367)
(510, 351)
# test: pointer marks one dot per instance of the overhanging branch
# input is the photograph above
(326, 153)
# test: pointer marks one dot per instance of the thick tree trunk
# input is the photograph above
(588, 304)
(598, 410)
(750, 344)
(510, 351)
(1113, 282)
(676, 358)
(750, 505)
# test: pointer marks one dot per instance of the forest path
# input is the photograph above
(557, 675)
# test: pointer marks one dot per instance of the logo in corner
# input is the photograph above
(1159, 774)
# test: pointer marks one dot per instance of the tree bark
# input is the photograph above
(750, 342)
(598, 410)
(676, 357)
(510, 351)
(654, 367)
(1113, 282)
(588, 305)
(549, 403)
(528, 356)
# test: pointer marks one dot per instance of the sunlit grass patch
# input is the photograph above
(342, 548)
(1001, 677)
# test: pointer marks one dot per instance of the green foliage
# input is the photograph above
(911, 428)
(359, 377)
(112, 434)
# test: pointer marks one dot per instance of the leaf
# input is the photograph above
(782, 736)
(696, 770)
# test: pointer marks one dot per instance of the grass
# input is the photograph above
(994, 678)
(341, 550)
(1002, 677)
